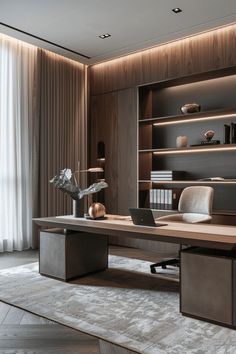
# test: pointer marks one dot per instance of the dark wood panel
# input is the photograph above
(127, 150)
(104, 128)
(210, 51)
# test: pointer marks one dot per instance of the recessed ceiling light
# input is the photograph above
(103, 36)
(177, 10)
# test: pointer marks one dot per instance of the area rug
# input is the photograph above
(125, 305)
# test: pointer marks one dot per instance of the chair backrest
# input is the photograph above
(196, 199)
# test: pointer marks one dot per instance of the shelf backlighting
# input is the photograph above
(190, 120)
(193, 150)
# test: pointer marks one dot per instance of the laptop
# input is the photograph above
(144, 217)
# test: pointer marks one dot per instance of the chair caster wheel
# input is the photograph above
(153, 270)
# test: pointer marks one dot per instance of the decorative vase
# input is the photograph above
(78, 208)
(181, 141)
(190, 108)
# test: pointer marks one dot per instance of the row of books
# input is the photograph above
(164, 198)
(167, 175)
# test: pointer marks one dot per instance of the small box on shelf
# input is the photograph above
(167, 175)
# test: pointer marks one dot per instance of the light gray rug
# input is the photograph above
(125, 305)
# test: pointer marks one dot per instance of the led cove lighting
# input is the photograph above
(195, 119)
(177, 10)
(193, 151)
(104, 36)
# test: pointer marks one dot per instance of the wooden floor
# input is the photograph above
(22, 332)
(25, 333)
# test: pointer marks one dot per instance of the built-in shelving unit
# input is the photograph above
(160, 122)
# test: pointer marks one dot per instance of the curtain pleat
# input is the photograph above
(18, 139)
(63, 127)
(43, 129)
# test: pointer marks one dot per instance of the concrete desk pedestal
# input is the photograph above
(208, 285)
(68, 254)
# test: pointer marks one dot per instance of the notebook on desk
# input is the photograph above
(144, 217)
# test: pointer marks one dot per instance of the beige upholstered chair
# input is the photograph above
(195, 206)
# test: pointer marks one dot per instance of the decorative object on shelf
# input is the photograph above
(209, 135)
(212, 179)
(233, 133)
(190, 108)
(181, 141)
(67, 183)
(97, 211)
(227, 134)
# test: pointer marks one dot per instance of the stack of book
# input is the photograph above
(166, 199)
(167, 175)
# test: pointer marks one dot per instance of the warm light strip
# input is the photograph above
(16, 41)
(188, 182)
(195, 119)
(186, 151)
(166, 44)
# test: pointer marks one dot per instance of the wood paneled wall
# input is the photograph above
(113, 86)
(201, 53)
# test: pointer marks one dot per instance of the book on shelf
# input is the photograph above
(164, 198)
(163, 175)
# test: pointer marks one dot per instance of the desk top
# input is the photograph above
(202, 235)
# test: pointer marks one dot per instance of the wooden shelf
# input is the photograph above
(182, 118)
(204, 148)
(190, 182)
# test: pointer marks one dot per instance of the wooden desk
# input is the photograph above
(202, 235)
(89, 248)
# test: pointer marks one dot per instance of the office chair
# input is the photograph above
(195, 206)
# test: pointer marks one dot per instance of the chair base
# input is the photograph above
(164, 264)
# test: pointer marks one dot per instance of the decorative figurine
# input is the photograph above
(209, 135)
(64, 182)
(190, 108)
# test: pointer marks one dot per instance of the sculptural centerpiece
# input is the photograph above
(67, 183)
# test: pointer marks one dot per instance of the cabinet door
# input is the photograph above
(114, 121)
(103, 127)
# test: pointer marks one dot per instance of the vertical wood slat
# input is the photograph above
(63, 135)
(201, 53)
(127, 150)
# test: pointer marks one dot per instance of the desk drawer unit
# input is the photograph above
(208, 285)
(69, 254)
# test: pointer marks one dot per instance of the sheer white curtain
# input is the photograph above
(17, 139)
